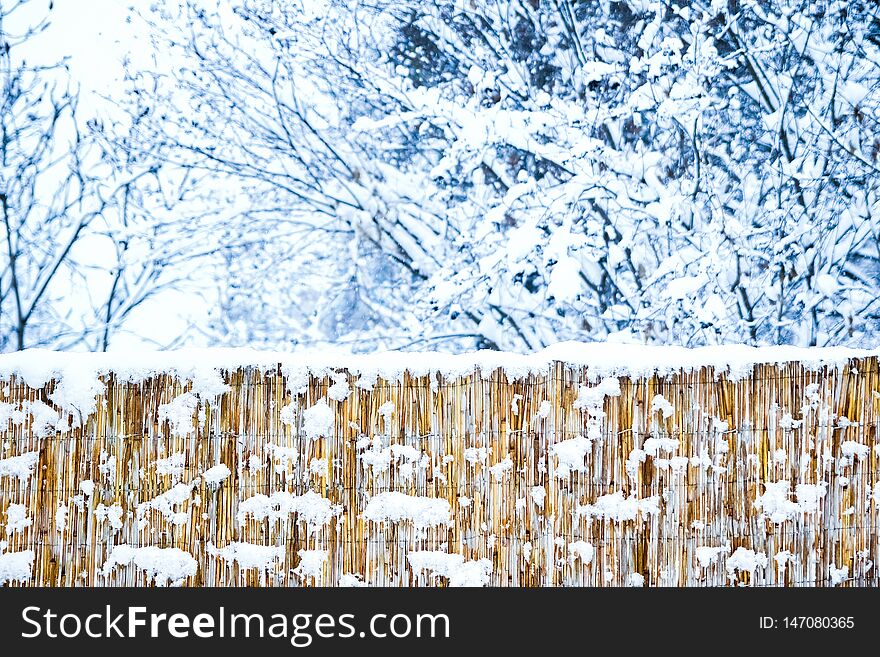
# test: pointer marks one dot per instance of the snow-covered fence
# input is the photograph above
(580, 465)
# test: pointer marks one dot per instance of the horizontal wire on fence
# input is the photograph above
(473, 535)
(496, 378)
(548, 431)
(465, 487)
(483, 483)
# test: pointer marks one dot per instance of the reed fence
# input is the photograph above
(558, 478)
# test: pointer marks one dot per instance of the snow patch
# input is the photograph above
(501, 468)
(340, 389)
(618, 508)
(248, 555)
(538, 495)
(706, 555)
(213, 476)
(570, 455)
(544, 409)
(460, 572)
(76, 392)
(850, 448)
(351, 580)
(474, 455)
(21, 467)
(745, 560)
(397, 507)
(654, 446)
(167, 504)
(16, 566)
(635, 580)
(16, 519)
(311, 563)
(660, 403)
(311, 508)
(318, 420)
(282, 456)
(112, 514)
(838, 575)
(593, 398)
(61, 518)
(172, 465)
(581, 550)
(776, 505)
(164, 566)
(179, 413)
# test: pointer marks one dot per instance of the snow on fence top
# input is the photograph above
(604, 358)
(580, 464)
(36, 367)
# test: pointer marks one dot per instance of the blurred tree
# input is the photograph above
(512, 173)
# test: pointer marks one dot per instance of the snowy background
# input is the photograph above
(438, 174)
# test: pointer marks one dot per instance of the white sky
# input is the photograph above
(95, 35)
